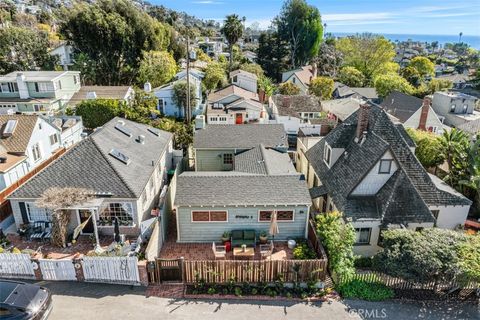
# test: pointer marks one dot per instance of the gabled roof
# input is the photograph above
(102, 92)
(245, 136)
(261, 160)
(18, 141)
(415, 188)
(367, 93)
(341, 108)
(231, 189)
(90, 165)
(33, 76)
(400, 105)
(239, 71)
(294, 105)
(231, 90)
(304, 74)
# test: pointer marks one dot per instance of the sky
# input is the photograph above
(436, 17)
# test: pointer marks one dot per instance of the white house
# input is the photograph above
(244, 80)
(124, 164)
(412, 112)
(64, 52)
(71, 129)
(366, 168)
(457, 108)
(26, 141)
(167, 106)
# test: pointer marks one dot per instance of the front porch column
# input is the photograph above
(95, 228)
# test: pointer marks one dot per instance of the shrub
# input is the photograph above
(303, 252)
(238, 291)
(363, 262)
(211, 290)
(370, 291)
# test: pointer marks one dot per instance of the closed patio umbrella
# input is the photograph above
(274, 225)
(116, 228)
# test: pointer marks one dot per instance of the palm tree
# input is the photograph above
(453, 145)
(233, 30)
(460, 37)
(473, 172)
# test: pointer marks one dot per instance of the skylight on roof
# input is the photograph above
(119, 156)
(123, 130)
(154, 131)
(10, 127)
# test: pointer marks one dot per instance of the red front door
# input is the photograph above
(238, 118)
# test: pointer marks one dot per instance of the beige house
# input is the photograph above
(301, 77)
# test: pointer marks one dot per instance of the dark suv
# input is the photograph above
(23, 301)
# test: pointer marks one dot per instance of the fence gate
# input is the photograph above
(169, 270)
(120, 270)
(16, 265)
(58, 269)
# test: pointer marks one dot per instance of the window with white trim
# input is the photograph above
(209, 216)
(36, 154)
(36, 214)
(123, 211)
(327, 154)
(53, 139)
(282, 215)
(362, 235)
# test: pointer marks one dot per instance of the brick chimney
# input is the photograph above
(362, 122)
(424, 115)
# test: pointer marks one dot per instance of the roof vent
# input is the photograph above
(123, 130)
(119, 156)
(91, 95)
(3, 159)
(141, 139)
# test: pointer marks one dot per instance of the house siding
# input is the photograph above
(432, 121)
(212, 231)
(212, 160)
(450, 217)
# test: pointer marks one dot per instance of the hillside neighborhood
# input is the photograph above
(201, 159)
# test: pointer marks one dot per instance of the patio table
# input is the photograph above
(238, 252)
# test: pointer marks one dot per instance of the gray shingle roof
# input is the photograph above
(294, 105)
(411, 196)
(89, 165)
(261, 160)
(197, 189)
(471, 127)
(240, 136)
(400, 105)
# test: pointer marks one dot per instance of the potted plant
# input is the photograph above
(225, 236)
(263, 237)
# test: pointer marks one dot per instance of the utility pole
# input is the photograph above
(187, 108)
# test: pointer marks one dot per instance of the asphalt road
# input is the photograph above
(104, 302)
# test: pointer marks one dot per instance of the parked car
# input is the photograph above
(23, 301)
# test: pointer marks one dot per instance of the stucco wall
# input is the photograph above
(432, 121)
(451, 216)
(373, 181)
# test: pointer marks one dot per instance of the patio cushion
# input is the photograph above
(249, 235)
(237, 234)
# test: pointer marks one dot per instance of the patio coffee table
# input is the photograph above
(238, 252)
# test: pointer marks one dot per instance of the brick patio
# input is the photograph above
(83, 245)
(203, 251)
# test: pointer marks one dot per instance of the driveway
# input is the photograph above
(104, 302)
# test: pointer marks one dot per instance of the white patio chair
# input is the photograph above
(219, 252)
(266, 250)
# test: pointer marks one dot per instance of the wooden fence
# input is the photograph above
(315, 241)
(254, 271)
(401, 284)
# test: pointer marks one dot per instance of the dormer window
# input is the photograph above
(452, 108)
(385, 166)
(327, 154)
(465, 108)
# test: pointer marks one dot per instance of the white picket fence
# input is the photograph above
(16, 265)
(118, 270)
(59, 270)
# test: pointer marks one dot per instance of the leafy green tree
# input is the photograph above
(114, 35)
(472, 177)
(142, 108)
(386, 83)
(24, 49)
(454, 146)
(338, 238)
(266, 85)
(254, 68)
(272, 55)
(301, 26)
(427, 148)
(422, 256)
(322, 87)
(423, 65)
(156, 67)
(233, 30)
(289, 89)
(411, 75)
(95, 113)
(439, 85)
(215, 76)
(351, 77)
(366, 52)
(180, 95)
(469, 258)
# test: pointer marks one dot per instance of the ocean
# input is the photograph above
(472, 41)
